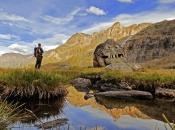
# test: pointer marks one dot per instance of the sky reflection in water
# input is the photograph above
(89, 117)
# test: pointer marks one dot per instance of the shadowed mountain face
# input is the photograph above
(154, 42)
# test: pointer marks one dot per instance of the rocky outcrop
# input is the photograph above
(154, 42)
(104, 51)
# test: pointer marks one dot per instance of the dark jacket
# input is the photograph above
(39, 52)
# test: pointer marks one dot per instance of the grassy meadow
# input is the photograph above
(51, 77)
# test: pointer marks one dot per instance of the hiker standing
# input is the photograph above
(38, 54)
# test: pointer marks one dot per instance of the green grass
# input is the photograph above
(24, 77)
(143, 75)
(51, 77)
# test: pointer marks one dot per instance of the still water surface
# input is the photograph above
(105, 114)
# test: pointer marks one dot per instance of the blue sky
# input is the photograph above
(25, 23)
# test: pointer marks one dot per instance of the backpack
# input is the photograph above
(35, 51)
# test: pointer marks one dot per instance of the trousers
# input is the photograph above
(38, 62)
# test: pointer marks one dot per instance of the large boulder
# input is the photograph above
(81, 84)
(154, 42)
(104, 51)
(126, 94)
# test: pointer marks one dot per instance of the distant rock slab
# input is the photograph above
(164, 92)
(126, 94)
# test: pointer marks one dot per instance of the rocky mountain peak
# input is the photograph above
(153, 42)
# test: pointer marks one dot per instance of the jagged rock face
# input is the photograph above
(104, 51)
(154, 42)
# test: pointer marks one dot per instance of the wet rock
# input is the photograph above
(54, 123)
(87, 96)
(126, 94)
(116, 86)
(81, 84)
(163, 92)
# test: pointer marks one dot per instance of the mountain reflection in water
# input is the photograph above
(107, 114)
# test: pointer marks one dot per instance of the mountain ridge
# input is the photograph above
(79, 48)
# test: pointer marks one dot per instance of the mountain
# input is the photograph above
(79, 49)
(154, 46)
(15, 60)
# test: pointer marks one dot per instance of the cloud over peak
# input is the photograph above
(18, 48)
(95, 10)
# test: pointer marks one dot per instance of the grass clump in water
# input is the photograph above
(9, 114)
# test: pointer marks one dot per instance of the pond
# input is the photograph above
(99, 114)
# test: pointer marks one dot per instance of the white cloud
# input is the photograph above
(7, 36)
(12, 17)
(125, 1)
(54, 40)
(4, 50)
(61, 21)
(167, 1)
(98, 27)
(158, 15)
(96, 11)
(18, 48)
(46, 48)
